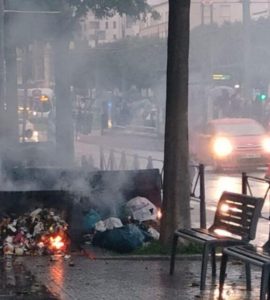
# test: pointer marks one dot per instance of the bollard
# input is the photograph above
(149, 163)
(123, 161)
(202, 197)
(91, 162)
(136, 163)
(102, 159)
(111, 161)
(244, 183)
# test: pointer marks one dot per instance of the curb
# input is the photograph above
(148, 257)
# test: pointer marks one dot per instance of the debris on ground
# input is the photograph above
(41, 231)
(137, 225)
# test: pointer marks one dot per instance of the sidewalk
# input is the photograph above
(126, 141)
(135, 280)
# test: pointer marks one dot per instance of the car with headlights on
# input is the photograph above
(232, 143)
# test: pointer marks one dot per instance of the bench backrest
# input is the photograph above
(238, 215)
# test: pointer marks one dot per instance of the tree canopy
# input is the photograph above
(45, 26)
(100, 8)
(132, 61)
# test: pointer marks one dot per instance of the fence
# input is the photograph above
(120, 160)
(247, 189)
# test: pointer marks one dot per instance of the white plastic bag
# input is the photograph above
(112, 223)
(142, 209)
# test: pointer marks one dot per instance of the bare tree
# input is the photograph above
(176, 202)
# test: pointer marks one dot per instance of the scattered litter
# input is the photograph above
(138, 226)
(39, 232)
(154, 233)
(71, 263)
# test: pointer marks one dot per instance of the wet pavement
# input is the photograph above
(18, 283)
(135, 279)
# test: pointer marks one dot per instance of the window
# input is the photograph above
(101, 35)
(129, 22)
(225, 13)
(107, 25)
(207, 14)
(114, 37)
(114, 24)
(94, 25)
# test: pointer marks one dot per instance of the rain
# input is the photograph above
(86, 109)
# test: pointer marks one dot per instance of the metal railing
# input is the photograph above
(121, 160)
(199, 180)
(247, 189)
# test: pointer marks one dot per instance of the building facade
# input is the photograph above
(97, 31)
(203, 12)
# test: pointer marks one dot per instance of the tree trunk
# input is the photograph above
(176, 201)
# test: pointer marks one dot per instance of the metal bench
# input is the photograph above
(234, 224)
(249, 254)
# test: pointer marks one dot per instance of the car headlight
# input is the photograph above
(266, 144)
(222, 146)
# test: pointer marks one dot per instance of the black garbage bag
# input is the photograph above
(123, 240)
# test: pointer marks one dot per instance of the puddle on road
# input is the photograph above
(17, 283)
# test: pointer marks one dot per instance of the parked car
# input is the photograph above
(232, 143)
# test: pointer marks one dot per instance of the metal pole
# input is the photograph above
(244, 183)
(202, 197)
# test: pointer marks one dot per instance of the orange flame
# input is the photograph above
(159, 214)
(57, 242)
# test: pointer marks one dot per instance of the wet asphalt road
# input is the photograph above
(18, 283)
(135, 280)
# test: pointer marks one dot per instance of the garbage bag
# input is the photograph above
(112, 223)
(142, 209)
(123, 240)
(90, 219)
(100, 226)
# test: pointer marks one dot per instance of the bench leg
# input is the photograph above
(174, 245)
(264, 282)
(206, 252)
(222, 275)
(213, 260)
(248, 276)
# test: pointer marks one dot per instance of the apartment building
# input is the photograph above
(202, 12)
(99, 31)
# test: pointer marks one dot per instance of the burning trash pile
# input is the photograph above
(136, 226)
(39, 232)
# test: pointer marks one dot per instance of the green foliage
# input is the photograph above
(100, 8)
(133, 61)
(47, 26)
(110, 7)
(155, 248)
